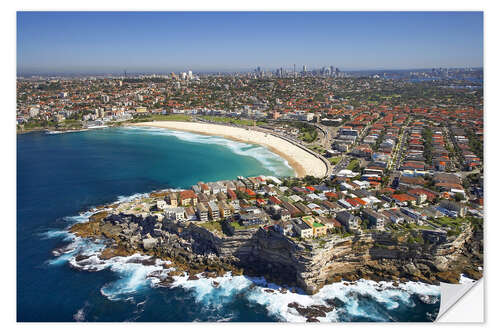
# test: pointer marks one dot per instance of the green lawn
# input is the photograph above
(334, 160)
(238, 226)
(352, 164)
(162, 117)
(229, 120)
(212, 226)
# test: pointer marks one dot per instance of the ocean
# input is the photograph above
(61, 177)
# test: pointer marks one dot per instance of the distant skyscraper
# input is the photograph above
(304, 69)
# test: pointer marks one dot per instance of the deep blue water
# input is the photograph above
(59, 176)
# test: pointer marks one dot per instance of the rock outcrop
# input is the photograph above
(308, 264)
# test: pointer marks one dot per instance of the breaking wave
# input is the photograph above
(363, 300)
(271, 161)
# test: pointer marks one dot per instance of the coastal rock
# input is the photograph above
(312, 311)
(308, 265)
(335, 302)
(149, 243)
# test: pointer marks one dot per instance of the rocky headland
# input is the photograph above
(306, 264)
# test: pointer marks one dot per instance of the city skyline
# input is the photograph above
(111, 42)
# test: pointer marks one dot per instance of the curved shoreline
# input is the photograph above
(300, 160)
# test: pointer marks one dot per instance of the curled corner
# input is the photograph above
(451, 294)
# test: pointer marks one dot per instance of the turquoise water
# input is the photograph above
(59, 176)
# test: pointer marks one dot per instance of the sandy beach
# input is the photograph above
(303, 162)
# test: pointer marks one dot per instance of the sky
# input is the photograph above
(111, 42)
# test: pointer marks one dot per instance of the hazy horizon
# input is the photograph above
(155, 42)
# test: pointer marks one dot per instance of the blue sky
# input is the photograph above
(226, 41)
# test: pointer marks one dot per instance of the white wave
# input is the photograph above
(79, 246)
(464, 279)
(215, 293)
(132, 197)
(257, 290)
(79, 315)
(271, 161)
(63, 234)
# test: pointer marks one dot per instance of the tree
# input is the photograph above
(459, 197)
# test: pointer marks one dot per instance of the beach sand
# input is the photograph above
(303, 162)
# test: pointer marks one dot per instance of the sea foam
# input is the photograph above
(362, 299)
(269, 160)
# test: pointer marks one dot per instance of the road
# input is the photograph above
(395, 161)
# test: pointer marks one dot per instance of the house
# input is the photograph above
(404, 199)
(301, 228)
(331, 196)
(196, 189)
(231, 194)
(202, 212)
(317, 209)
(330, 223)
(202, 197)
(376, 220)
(413, 214)
(295, 198)
(172, 199)
(331, 207)
(175, 213)
(224, 209)
(393, 216)
(411, 181)
(318, 228)
(303, 208)
(294, 211)
(285, 214)
(188, 197)
(221, 196)
(418, 193)
(274, 200)
(204, 188)
(161, 204)
(349, 221)
(253, 219)
(456, 207)
(213, 210)
(235, 206)
(190, 213)
(344, 204)
(284, 227)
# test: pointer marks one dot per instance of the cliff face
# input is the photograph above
(307, 264)
(312, 264)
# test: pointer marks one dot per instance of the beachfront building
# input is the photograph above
(224, 209)
(375, 220)
(190, 213)
(213, 210)
(172, 198)
(349, 221)
(161, 204)
(188, 197)
(317, 228)
(175, 213)
(202, 212)
(302, 229)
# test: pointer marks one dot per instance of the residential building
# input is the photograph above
(202, 212)
(213, 210)
(349, 221)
